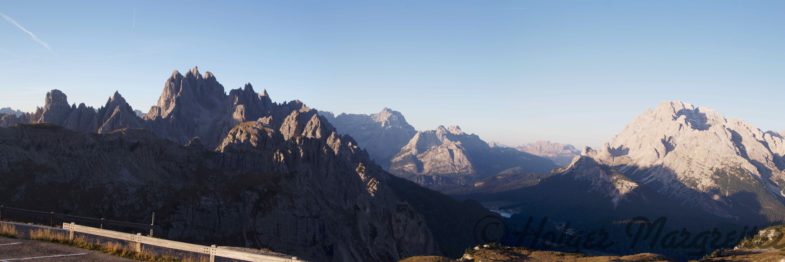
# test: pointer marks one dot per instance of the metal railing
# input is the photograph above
(53, 219)
(138, 240)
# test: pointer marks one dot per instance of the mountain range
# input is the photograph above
(446, 159)
(233, 169)
(561, 154)
(239, 169)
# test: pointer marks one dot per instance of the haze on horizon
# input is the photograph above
(510, 71)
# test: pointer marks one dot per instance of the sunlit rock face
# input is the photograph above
(696, 154)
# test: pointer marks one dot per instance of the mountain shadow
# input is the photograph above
(580, 202)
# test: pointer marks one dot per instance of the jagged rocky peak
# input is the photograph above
(391, 118)
(249, 105)
(116, 100)
(56, 108)
(117, 97)
(117, 114)
(455, 130)
(194, 73)
(697, 118)
(56, 98)
(189, 92)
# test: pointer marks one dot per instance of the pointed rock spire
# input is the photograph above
(194, 73)
(56, 108)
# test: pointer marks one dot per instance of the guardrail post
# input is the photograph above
(71, 232)
(152, 225)
(51, 218)
(212, 253)
(138, 243)
(102, 223)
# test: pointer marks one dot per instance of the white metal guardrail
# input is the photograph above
(138, 240)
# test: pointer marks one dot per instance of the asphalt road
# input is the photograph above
(29, 250)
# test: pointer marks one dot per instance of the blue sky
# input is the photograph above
(510, 71)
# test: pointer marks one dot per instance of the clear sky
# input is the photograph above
(510, 71)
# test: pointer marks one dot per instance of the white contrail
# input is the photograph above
(33, 36)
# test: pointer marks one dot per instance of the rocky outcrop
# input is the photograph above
(116, 115)
(382, 134)
(560, 154)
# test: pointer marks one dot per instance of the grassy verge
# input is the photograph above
(7, 230)
(109, 247)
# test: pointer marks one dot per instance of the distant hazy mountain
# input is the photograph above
(232, 169)
(560, 154)
(10, 111)
(449, 152)
(443, 158)
(381, 134)
(138, 113)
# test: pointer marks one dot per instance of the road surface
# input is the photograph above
(30, 250)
